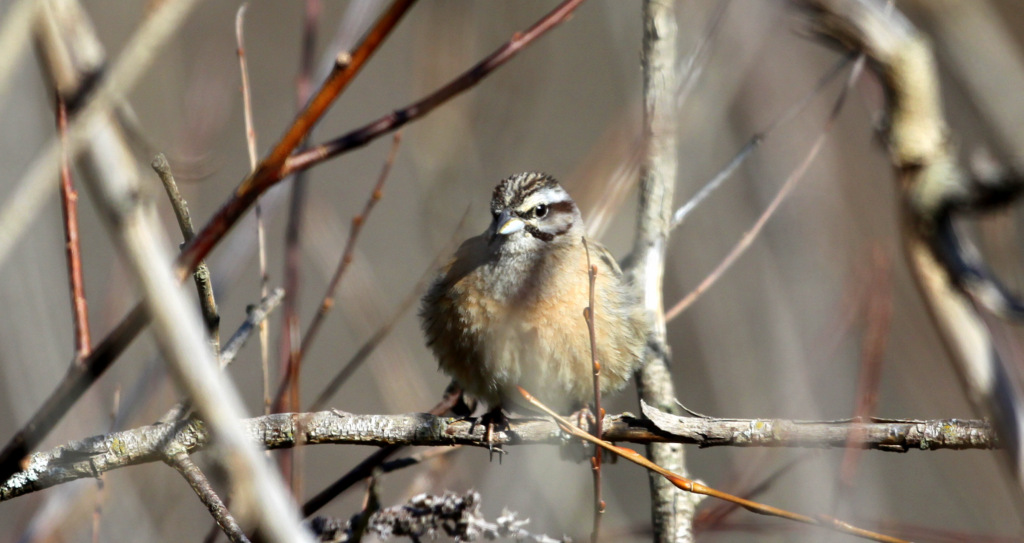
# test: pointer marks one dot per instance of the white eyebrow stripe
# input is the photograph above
(544, 196)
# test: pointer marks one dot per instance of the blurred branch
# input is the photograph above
(31, 193)
(934, 189)
(35, 186)
(99, 454)
(72, 246)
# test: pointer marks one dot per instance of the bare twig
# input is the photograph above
(353, 235)
(399, 118)
(201, 275)
(877, 317)
(385, 329)
(290, 361)
(595, 462)
(190, 471)
(87, 457)
(73, 249)
(695, 487)
(346, 258)
(261, 237)
(255, 316)
(787, 187)
(753, 143)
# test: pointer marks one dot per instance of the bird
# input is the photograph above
(507, 310)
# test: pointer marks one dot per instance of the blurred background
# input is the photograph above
(780, 335)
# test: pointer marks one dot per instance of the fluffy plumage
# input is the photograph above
(507, 309)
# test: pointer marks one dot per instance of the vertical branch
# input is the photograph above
(290, 335)
(261, 238)
(671, 511)
(69, 207)
(595, 462)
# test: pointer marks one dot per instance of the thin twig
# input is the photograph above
(877, 315)
(787, 187)
(689, 485)
(289, 357)
(201, 276)
(72, 246)
(254, 317)
(371, 344)
(346, 258)
(201, 485)
(395, 120)
(595, 462)
(261, 237)
(753, 143)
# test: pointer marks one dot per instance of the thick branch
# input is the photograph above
(98, 454)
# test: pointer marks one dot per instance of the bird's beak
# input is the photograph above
(507, 223)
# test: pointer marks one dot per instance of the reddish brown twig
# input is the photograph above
(73, 249)
(787, 187)
(289, 357)
(688, 485)
(469, 78)
(269, 172)
(595, 462)
(371, 344)
(327, 302)
(346, 257)
(877, 317)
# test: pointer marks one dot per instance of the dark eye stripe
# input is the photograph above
(565, 206)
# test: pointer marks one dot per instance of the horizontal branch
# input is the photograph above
(95, 455)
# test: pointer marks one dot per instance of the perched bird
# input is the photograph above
(507, 310)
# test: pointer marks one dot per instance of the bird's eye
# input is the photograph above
(540, 211)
